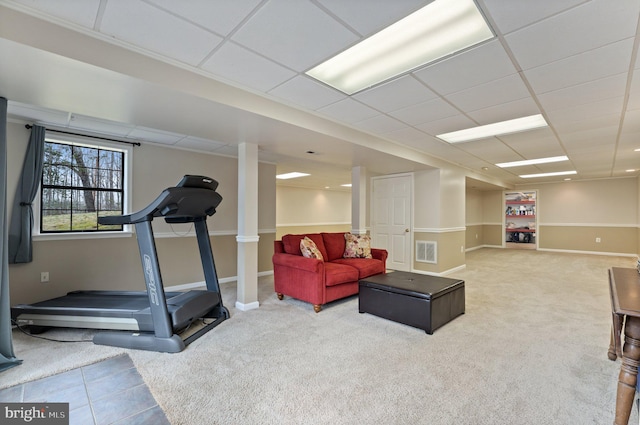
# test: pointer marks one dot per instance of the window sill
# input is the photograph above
(80, 236)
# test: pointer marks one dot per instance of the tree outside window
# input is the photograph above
(79, 184)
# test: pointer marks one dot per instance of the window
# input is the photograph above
(81, 182)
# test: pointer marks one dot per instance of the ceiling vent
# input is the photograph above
(427, 252)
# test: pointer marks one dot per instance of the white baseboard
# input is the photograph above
(246, 307)
(571, 251)
(482, 246)
(444, 273)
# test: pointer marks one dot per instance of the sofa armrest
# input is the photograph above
(380, 254)
(312, 265)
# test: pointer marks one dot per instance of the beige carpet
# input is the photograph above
(531, 349)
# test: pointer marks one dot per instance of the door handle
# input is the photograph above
(406, 230)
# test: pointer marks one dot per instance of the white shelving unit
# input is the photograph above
(520, 223)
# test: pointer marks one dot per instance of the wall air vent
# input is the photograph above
(427, 252)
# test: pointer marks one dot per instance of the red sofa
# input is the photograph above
(316, 281)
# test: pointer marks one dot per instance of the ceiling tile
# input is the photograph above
(631, 123)
(592, 91)
(349, 111)
(593, 154)
(218, 16)
(621, 165)
(151, 28)
(379, 13)
(79, 12)
(579, 123)
(432, 110)
(629, 142)
(242, 66)
(491, 149)
(511, 15)
(589, 66)
(583, 139)
(396, 94)
(479, 65)
(588, 111)
(505, 111)
(505, 89)
(588, 26)
(539, 143)
(446, 125)
(307, 92)
(296, 34)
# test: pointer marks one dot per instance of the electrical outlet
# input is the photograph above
(44, 277)
(598, 240)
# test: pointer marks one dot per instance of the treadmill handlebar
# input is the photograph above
(194, 198)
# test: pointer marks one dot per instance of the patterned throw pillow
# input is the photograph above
(357, 246)
(309, 249)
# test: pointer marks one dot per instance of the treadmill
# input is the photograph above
(152, 319)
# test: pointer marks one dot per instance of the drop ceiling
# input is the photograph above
(209, 75)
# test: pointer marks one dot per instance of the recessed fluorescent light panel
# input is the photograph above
(533, 161)
(559, 173)
(441, 28)
(346, 185)
(293, 175)
(496, 129)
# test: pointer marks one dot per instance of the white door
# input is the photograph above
(391, 219)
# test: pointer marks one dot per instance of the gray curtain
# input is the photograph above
(20, 250)
(7, 358)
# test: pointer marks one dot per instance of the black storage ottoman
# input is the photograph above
(422, 301)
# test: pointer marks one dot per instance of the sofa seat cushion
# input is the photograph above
(292, 243)
(336, 274)
(334, 243)
(366, 266)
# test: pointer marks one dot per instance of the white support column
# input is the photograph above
(358, 200)
(247, 227)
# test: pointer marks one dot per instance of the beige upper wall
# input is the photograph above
(492, 207)
(299, 206)
(473, 207)
(601, 202)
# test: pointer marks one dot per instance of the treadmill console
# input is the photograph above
(198, 181)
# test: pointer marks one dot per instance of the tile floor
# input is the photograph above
(109, 392)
